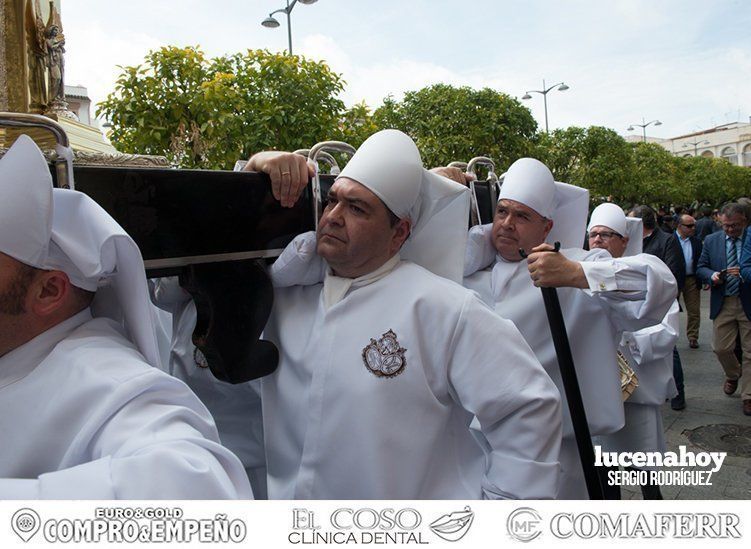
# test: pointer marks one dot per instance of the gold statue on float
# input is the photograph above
(46, 47)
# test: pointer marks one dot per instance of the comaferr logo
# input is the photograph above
(645, 525)
(524, 524)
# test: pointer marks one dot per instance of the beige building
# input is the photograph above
(730, 141)
(79, 103)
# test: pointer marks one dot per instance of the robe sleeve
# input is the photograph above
(494, 375)
(479, 253)
(638, 290)
(299, 264)
(655, 342)
(150, 439)
(167, 294)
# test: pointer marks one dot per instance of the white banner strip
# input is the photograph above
(277, 524)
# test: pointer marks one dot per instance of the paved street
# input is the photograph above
(707, 407)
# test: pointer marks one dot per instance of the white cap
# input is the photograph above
(610, 216)
(389, 164)
(25, 203)
(61, 229)
(613, 217)
(529, 182)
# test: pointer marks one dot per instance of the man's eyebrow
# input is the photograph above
(360, 203)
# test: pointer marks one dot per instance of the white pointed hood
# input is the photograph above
(389, 164)
(530, 182)
(613, 217)
(61, 229)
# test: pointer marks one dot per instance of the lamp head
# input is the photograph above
(563, 87)
(526, 96)
(270, 23)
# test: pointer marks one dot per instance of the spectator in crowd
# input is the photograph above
(730, 301)
(666, 247)
(691, 247)
(706, 224)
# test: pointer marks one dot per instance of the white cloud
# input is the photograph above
(93, 54)
(682, 61)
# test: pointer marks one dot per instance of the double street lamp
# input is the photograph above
(544, 91)
(696, 145)
(643, 127)
(271, 23)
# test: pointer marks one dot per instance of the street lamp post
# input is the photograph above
(643, 127)
(544, 92)
(272, 23)
(696, 145)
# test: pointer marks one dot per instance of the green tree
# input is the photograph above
(356, 125)
(595, 158)
(207, 113)
(450, 123)
(654, 178)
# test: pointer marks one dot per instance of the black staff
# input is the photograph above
(571, 386)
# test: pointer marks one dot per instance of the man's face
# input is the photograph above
(686, 226)
(14, 285)
(355, 235)
(14, 288)
(606, 238)
(515, 227)
(733, 225)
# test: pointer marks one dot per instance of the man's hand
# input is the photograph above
(454, 174)
(289, 173)
(717, 279)
(552, 269)
(733, 271)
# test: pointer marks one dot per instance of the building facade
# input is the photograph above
(729, 141)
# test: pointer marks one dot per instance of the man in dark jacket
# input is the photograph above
(666, 247)
(691, 248)
(706, 225)
(720, 265)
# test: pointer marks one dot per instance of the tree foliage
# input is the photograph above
(208, 113)
(612, 169)
(450, 123)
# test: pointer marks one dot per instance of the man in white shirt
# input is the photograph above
(600, 297)
(385, 364)
(649, 351)
(84, 412)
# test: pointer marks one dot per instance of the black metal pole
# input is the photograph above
(571, 388)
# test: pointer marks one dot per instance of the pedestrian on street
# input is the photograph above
(730, 301)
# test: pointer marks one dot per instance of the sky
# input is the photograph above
(684, 62)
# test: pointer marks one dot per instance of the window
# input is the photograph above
(728, 153)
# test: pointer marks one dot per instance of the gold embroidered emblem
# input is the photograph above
(384, 358)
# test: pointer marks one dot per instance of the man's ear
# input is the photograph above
(49, 292)
(548, 228)
(401, 233)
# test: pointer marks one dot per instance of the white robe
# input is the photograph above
(83, 416)
(650, 353)
(334, 430)
(236, 408)
(629, 293)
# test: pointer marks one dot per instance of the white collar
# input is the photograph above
(21, 361)
(336, 287)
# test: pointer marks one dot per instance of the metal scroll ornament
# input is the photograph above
(629, 381)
